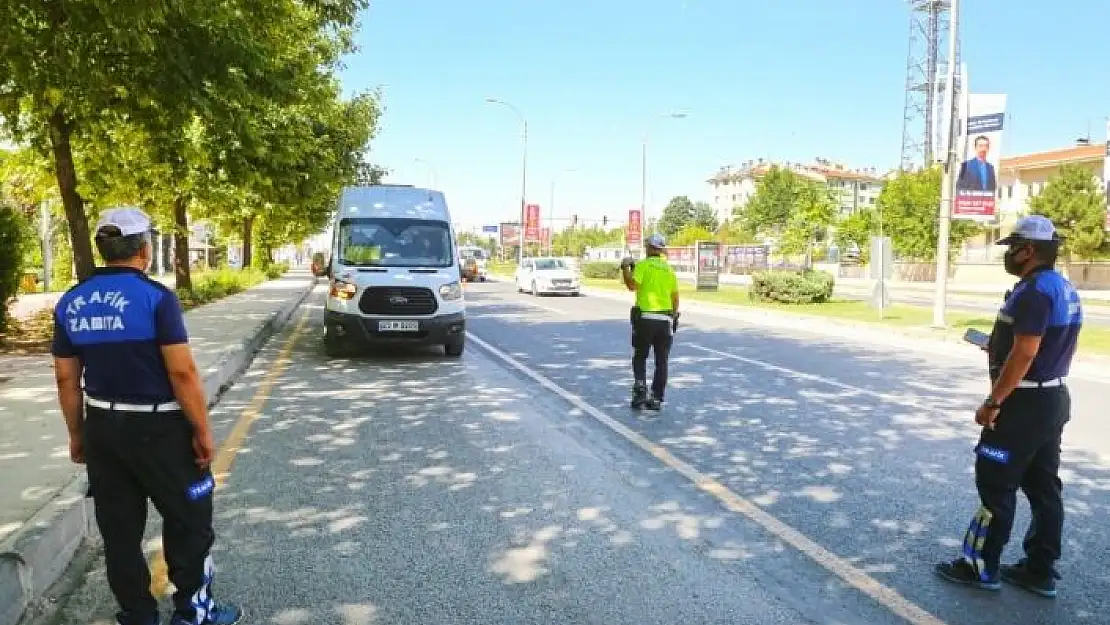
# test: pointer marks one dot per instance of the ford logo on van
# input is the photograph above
(398, 299)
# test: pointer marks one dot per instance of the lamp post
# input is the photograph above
(431, 169)
(643, 163)
(523, 172)
(551, 210)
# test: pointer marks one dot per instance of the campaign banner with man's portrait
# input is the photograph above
(976, 189)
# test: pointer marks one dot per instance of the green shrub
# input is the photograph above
(792, 287)
(601, 270)
(15, 236)
(276, 270)
(213, 285)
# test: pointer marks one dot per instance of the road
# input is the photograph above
(419, 489)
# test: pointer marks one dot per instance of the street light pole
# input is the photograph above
(551, 211)
(643, 164)
(523, 172)
(431, 169)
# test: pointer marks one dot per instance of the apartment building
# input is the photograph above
(853, 189)
(1023, 177)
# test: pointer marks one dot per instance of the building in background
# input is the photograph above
(1023, 177)
(853, 189)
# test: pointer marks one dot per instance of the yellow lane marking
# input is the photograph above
(885, 596)
(225, 457)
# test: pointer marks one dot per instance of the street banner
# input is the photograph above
(708, 269)
(634, 234)
(532, 223)
(976, 188)
(510, 234)
(545, 237)
(489, 229)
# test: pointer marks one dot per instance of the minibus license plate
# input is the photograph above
(398, 326)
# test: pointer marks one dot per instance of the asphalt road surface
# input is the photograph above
(420, 489)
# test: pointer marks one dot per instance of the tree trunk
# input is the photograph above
(248, 235)
(182, 276)
(66, 174)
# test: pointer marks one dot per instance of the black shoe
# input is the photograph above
(1036, 582)
(654, 403)
(123, 618)
(639, 396)
(959, 571)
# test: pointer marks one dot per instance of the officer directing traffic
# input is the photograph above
(654, 319)
(1030, 352)
(140, 425)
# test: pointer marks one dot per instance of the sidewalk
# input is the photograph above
(44, 515)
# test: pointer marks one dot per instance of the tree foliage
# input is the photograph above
(705, 216)
(678, 213)
(909, 206)
(776, 194)
(691, 234)
(222, 109)
(1077, 207)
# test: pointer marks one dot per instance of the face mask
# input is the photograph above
(1012, 265)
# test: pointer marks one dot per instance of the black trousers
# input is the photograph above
(1022, 452)
(130, 458)
(651, 335)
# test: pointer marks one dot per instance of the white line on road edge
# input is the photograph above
(888, 597)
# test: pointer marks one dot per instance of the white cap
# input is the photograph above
(1031, 228)
(657, 241)
(128, 220)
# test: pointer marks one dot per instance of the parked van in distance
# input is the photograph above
(394, 272)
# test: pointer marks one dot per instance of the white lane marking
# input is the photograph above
(890, 397)
(887, 597)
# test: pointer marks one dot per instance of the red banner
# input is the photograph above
(531, 223)
(973, 205)
(635, 231)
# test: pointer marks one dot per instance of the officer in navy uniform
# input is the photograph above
(139, 425)
(1023, 418)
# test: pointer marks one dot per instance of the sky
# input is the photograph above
(788, 80)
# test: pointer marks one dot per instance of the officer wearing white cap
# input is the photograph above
(140, 424)
(654, 320)
(1023, 418)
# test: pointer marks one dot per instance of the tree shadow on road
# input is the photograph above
(880, 474)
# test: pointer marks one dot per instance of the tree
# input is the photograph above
(691, 234)
(909, 206)
(705, 216)
(15, 234)
(731, 231)
(856, 230)
(678, 213)
(776, 194)
(1077, 207)
(814, 210)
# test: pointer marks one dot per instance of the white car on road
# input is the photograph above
(540, 276)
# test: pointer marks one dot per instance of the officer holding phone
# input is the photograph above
(1030, 351)
(654, 319)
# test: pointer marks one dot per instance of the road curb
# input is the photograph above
(36, 556)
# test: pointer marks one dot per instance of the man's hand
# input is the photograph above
(204, 446)
(627, 263)
(986, 416)
(76, 450)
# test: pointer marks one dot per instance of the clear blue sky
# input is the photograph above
(781, 79)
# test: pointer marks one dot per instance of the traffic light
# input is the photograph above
(604, 220)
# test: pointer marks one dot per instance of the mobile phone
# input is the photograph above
(977, 338)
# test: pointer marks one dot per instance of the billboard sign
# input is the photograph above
(532, 223)
(489, 229)
(976, 188)
(634, 234)
(707, 272)
(510, 234)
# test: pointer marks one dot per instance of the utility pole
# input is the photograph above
(951, 163)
